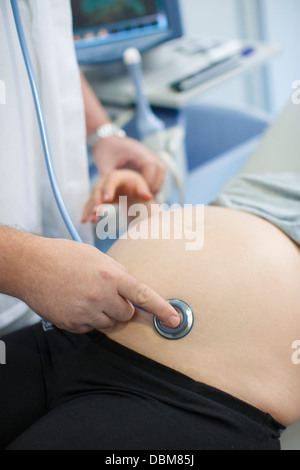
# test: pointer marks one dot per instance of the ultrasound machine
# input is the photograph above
(173, 63)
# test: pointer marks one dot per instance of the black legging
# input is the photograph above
(63, 391)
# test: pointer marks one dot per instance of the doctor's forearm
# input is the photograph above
(12, 260)
(95, 114)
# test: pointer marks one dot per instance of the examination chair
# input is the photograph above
(219, 141)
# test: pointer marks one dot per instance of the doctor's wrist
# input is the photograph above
(104, 132)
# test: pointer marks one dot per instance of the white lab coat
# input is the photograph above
(26, 198)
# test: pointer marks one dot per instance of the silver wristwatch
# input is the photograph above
(105, 131)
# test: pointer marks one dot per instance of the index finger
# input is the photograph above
(146, 298)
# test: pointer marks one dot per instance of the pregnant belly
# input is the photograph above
(243, 286)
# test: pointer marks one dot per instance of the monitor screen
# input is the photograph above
(103, 29)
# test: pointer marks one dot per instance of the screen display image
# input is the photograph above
(104, 18)
(103, 28)
(89, 13)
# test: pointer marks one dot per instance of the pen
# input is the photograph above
(211, 71)
(206, 73)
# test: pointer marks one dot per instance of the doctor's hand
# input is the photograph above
(115, 153)
(79, 289)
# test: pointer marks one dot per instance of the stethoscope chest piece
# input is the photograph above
(186, 325)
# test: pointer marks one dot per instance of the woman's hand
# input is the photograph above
(109, 189)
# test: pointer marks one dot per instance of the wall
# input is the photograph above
(215, 18)
(274, 21)
(282, 26)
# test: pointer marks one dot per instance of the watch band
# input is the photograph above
(105, 131)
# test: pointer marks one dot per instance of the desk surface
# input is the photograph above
(172, 64)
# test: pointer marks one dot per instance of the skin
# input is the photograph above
(71, 284)
(243, 287)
